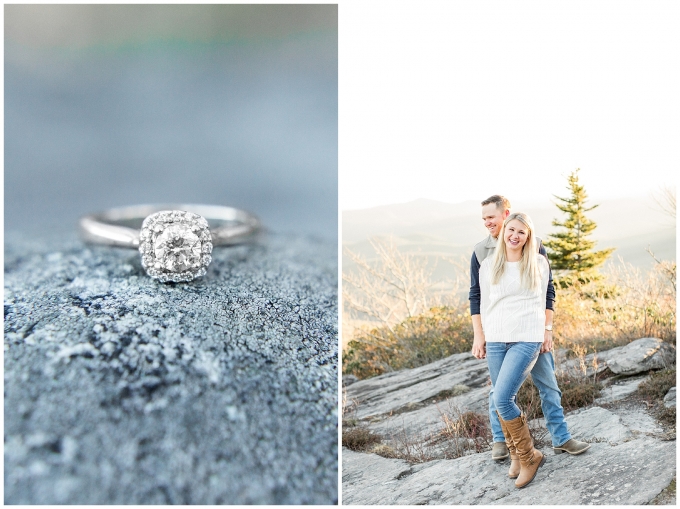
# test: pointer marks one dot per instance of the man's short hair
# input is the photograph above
(501, 201)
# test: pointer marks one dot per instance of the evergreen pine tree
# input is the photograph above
(571, 251)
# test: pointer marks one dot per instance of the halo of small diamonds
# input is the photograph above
(175, 246)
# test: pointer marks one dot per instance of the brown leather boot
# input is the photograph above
(530, 459)
(514, 459)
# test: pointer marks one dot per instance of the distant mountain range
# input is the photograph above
(435, 229)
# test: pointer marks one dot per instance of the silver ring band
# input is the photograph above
(109, 228)
(175, 242)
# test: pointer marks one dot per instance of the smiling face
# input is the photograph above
(493, 218)
(515, 237)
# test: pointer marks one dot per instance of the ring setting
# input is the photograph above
(175, 246)
(175, 242)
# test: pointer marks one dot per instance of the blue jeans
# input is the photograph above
(543, 375)
(509, 365)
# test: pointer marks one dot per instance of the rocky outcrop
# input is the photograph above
(640, 356)
(635, 474)
(412, 399)
(631, 459)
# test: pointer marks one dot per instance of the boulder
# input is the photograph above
(669, 398)
(639, 356)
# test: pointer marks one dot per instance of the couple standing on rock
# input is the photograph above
(511, 303)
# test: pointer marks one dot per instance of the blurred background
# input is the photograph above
(112, 105)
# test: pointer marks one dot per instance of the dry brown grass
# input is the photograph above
(658, 385)
(359, 438)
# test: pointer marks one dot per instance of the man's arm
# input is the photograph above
(550, 295)
(479, 342)
(475, 295)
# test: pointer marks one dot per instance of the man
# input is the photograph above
(494, 211)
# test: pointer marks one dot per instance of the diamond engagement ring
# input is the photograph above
(175, 241)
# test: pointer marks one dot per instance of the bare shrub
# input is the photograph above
(461, 433)
(658, 385)
(628, 304)
(359, 438)
(395, 314)
(412, 447)
(464, 431)
(665, 199)
(416, 341)
(390, 289)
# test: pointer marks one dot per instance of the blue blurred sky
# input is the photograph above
(109, 105)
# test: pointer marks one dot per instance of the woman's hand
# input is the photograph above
(547, 342)
(479, 347)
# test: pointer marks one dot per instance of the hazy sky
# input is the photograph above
(459, 100)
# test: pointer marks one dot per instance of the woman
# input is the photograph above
(515, 322)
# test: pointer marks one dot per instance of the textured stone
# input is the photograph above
(630, 473)
(619, 391)
(394, 391)
(597, 424)
(669, 398)
(639, 356)
(123, 390)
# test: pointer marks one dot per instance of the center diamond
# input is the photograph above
(178, 248)
(175, 245)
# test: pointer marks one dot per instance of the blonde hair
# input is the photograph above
(530, 275)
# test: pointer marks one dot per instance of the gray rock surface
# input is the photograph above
(598, 424)
(619, 391)
(427, 420)
(639, 356)
(123, 390)
(633, 472)
(631, 460)
(669, 398)
(409, 388)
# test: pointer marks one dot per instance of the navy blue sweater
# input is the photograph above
(475, 294)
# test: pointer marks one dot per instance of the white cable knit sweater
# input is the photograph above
(509, 312)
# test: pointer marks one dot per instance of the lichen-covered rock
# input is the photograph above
(123, 390)
(639, 356)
